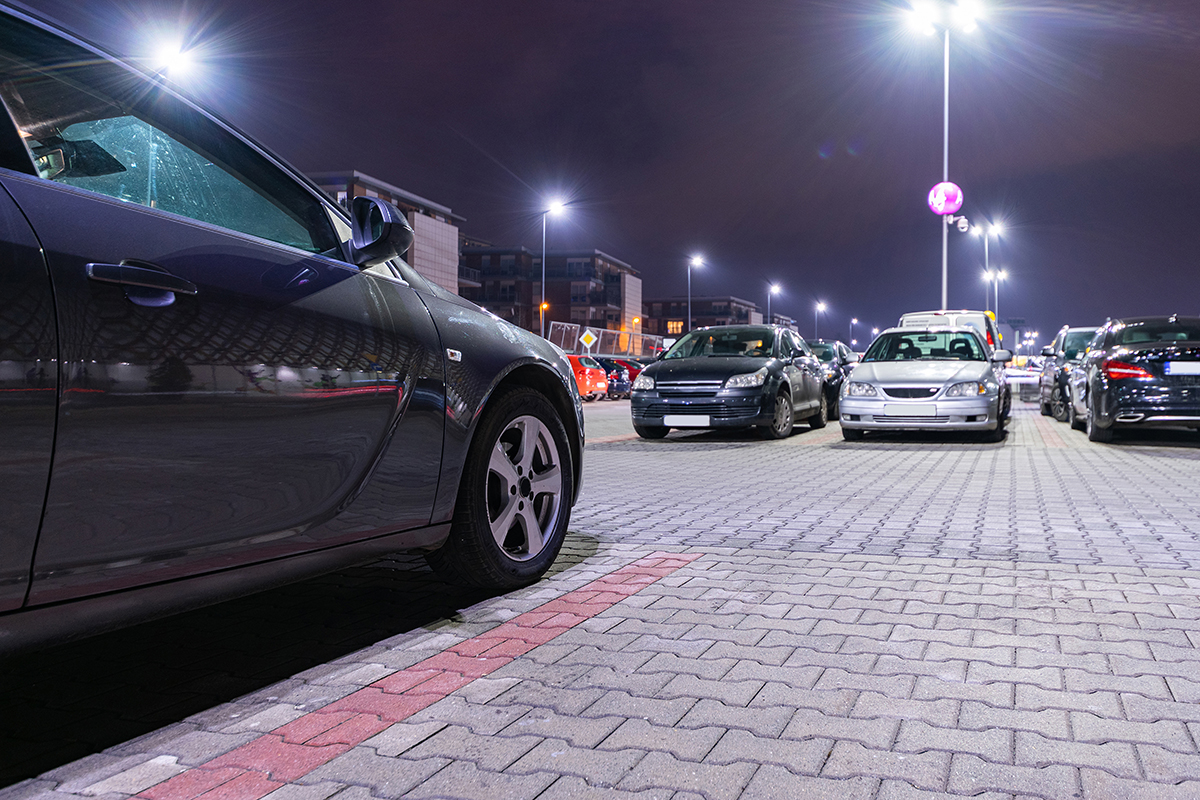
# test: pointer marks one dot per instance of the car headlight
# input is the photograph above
(860, 389)
(747, 381)
(968, 389)
(643, 382)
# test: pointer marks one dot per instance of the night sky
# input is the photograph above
(785, 141)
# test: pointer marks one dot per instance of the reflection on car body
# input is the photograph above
(926, 379)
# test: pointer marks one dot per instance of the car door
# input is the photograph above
(809, 367)
(227, 379)
(28, 397)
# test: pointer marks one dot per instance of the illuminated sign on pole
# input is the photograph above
(945, 198)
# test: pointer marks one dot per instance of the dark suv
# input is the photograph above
(1062, 354)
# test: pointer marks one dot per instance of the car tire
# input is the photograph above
(1073, 416)
(852, 434)
(1044, 405)
(1058, 404)
(492, 543)
(783, 420)
(1094, 432)
(651, 431)
(995, 435)
(821, 418)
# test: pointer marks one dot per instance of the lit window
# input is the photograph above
(674, 326)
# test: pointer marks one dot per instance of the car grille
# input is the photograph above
(910, 420)
(689, 388)
(911, 392)
(714, 410)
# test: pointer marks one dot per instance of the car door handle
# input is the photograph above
(132, 275)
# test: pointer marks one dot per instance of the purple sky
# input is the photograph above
(786, 141)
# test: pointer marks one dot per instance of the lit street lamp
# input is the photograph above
(695, 261)
(820, 308)
(775, 289)
(927, 17)
(987, 233)
(995, 276)
(874, 331)
(542, 316)
(853, 322)
(554, 207)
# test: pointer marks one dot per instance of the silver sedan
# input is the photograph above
(926, 379)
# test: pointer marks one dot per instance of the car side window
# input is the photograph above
(786, 348)
(94, 125)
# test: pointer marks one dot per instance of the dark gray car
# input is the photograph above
(214, 379)
(1060, 355)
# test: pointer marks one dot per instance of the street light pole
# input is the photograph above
(696, 261)
(945, 158)
(774, 289)
(816, 322)
(853, 322)
(554, 207)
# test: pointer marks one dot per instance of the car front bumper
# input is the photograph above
(730, 408)
(877, 413)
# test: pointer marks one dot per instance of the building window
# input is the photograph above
(674, 326)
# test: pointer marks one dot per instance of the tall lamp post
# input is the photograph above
(995, 276)
(554, 207)
(853, 322)
(775, 289)
(927, 17)
(994, 229)
(817, 311)
(695, 261)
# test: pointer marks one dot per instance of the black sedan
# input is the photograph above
(618, 377)
(837, 361)
(215, 379)
(1138, 372)
(732, 376)
(1060, 356)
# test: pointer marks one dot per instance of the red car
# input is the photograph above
(634, 367)
(590, 377)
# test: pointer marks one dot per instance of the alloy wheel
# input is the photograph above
(524, 488)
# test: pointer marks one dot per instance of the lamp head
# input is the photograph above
(555, 207)
(696, 261)
(775, 288)
(854, 320)
(820, 306)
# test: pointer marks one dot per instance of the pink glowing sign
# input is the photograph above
(945, 198)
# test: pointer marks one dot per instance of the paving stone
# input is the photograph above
(597, 767)
(466, 781)
(1100, 785)
(900, 790)
(971, 775)
(1168, 734)
(569, 787)
(489, 752)
(1165, 766)
(993, 694)
(942, 713)
(851, 759)
(802, 757)
(295, 791)
(137, 778)
(578, 731)
(1034, 698)
(714, 781)
(765, 722)
(655, 710)
(877, 734)
(1052, 723)
(683, 743)
(995, 745)
(772, 783)
(1035, 750)
(403, 735)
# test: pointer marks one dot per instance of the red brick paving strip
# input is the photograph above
(1047, 427)
(291, 751)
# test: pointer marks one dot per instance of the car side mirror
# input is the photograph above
(853, 358)
(1002, 355)
(1048, 350)
(379, 231)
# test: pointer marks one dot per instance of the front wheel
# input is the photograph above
(653, 432)
(514, 499)
(1058, 404)
(782, 421)
(821, 418)
(1073, 416)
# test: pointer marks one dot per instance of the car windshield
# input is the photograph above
(926, 346)
(1143, 332)
(757, 342)
(822, 351)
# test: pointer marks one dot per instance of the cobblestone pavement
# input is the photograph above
(901, 617)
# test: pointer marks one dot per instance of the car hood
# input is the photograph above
(705, 368)
(921, 373)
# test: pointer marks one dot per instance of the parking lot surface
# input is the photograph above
(909, 616)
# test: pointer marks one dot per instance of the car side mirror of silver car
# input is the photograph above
(378, 231)
(1048, 350)
(1002, 355)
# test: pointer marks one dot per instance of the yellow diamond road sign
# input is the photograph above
(588, 338)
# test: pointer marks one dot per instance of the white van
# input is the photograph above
(982, 321)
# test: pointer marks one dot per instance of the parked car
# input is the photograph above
(982, 321)
(619, 384)
(214, 379)
(635, 366)
(1138, 372)
(1024, 377)
(1060, 356)
(837, 361)
(732, 376)
(927, 379)
(590, 377)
